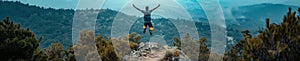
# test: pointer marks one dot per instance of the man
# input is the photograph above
(147, 17)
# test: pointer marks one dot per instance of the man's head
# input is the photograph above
(147, 7)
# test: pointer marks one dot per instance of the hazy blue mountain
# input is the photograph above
(252, 17)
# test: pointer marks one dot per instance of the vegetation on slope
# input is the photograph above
(16, 43)
(278, 42)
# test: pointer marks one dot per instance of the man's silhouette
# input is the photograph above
(147, 17)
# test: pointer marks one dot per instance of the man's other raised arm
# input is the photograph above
(156, 7)
(136, 7)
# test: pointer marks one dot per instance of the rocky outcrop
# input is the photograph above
(150, 51)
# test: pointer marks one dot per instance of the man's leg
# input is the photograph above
(151, 28)
(145, 27)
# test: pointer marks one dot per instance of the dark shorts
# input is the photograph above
(148, 24)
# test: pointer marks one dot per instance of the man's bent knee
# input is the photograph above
(145, 27)
(151, 28)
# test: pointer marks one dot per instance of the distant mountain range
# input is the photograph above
(252, 17)
(55, 25)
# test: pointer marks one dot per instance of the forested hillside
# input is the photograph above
(55, 25)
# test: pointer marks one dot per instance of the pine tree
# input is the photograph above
(16, 43)
(105, 49)
(276, 43)
(204, 51)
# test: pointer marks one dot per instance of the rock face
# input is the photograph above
(155, 52)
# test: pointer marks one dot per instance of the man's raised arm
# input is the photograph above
(156, 7)
(136, 7)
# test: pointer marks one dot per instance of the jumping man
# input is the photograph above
(147, 17)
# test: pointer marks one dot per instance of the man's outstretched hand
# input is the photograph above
(156, 7)
(136, 7)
